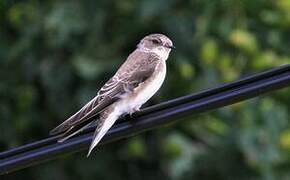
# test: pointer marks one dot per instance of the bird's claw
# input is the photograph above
(136, 109)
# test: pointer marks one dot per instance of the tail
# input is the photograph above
(107, 119)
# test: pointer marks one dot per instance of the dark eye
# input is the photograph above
(155, 41)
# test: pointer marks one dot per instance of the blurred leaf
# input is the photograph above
(186, 69)
(65, 20)
(244, 40)
(285, 140)
(283, 5)
(216, 126)
(136, 148)
(265, 60)
(209, 51)
(86, 67)
(182, 153)
(22, 14)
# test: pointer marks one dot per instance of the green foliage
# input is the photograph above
(54, 55)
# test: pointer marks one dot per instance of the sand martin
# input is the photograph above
(136, 81)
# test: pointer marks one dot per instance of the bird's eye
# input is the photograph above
(155, 41)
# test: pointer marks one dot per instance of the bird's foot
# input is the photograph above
(136, 109)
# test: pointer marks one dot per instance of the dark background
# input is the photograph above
(55, 54)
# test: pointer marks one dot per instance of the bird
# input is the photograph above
(134, 83)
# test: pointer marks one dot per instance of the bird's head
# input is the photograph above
(156, 43)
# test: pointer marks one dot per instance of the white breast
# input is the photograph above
(151, 88)
(143, 93)
(162, 52)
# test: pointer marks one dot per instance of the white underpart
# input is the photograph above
(146, 91)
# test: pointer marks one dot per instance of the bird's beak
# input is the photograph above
(171, 47)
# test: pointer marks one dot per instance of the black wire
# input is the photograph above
(167, 104)
(152, 117)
